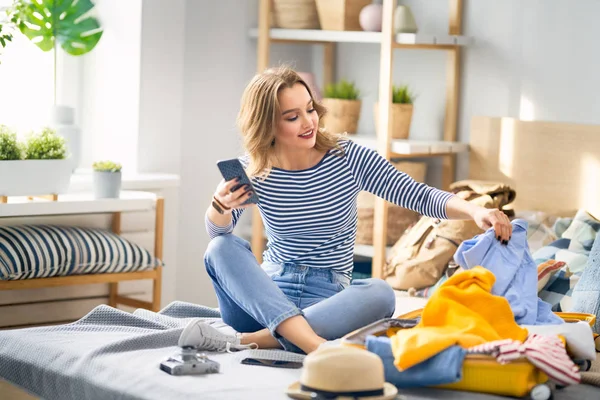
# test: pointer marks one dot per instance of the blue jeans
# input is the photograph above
(253, 297)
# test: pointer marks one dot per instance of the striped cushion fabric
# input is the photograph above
(42, 251)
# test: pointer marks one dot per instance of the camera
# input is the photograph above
(189, 362)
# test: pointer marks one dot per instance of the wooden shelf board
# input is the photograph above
(413, 148)
(404, 40)
(77, 203)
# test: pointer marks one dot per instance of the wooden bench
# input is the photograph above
(85, 204)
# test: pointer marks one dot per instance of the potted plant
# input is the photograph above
(342, 101)
(10, 148)
(107, 179)
(38, 166)
(401, 111)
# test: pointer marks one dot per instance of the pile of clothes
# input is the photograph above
(490, 307)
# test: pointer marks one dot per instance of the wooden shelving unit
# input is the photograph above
(401, 40)
(383, 142)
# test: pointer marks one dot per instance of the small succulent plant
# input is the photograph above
(402, 95)
(106, 166)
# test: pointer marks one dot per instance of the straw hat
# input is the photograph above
(345, 372)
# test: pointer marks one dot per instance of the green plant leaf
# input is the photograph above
(45, 145)
(402, 95)
(5, 35)
(342, 90)
(10, 148)
(64, 21)
(106, 166)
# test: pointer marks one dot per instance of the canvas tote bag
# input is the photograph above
(420, 257)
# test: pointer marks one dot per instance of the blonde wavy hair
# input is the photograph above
(260, 111)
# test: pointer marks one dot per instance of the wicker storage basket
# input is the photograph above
(341, 15)
(399, 219)
(342, 115)
(401, 115)
(295, 14)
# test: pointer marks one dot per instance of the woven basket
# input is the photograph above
(340, 15)
(342, 115)
(295, 14)
(399, 219)
(401, 115)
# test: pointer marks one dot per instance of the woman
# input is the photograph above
(307, 180)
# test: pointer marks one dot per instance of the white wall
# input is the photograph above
(531, 58)
(110, 102)
(131, 101)
(534, 60)
(161, 114)
(161, 86)
(220, 59)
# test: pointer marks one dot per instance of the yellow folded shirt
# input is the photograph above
(464, 312)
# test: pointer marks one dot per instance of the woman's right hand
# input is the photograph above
(232, 199)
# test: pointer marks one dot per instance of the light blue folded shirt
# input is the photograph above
(515, 271)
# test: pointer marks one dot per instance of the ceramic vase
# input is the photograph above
(404, 20)
(371, 17)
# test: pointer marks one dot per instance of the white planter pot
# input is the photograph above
(107, 185)
(34, 177)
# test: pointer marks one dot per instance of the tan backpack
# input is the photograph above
(420, 257)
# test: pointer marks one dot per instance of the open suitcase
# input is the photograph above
(481, 373)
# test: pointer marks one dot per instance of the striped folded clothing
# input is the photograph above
(576, 238)
(547, 353)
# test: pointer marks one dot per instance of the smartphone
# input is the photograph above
(271, 363)
(231, 169)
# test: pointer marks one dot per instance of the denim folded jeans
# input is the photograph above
(252, 297)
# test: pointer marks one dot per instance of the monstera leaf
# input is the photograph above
(65, 22)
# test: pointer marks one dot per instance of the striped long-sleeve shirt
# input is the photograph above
(310, 215)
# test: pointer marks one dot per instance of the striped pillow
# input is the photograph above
(42, 251)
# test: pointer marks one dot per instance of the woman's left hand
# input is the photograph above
(486, 218)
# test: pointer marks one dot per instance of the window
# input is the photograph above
(27, 82)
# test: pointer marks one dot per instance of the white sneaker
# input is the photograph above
(202, 336)
(330, 343)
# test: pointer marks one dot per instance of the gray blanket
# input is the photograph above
(111, 354)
